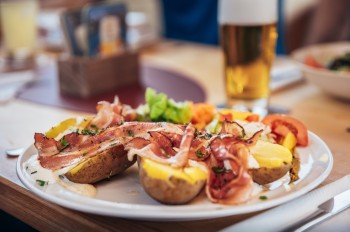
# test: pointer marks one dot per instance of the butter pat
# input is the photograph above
(165, 172)
(271, 155)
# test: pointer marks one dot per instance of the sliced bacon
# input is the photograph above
(46, 146)
(164, 148)
(233, 128)
(175, 138)
(229, 181)
(137, 143)
(110, 114)
(199, 150)
(178, 160)
(81, 147)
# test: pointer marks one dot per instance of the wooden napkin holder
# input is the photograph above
(85, 77)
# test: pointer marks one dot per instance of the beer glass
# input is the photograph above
(248, 36)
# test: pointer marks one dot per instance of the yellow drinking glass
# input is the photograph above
(248, 37)
(19, 27)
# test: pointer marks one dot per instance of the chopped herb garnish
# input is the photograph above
(88, 132)
(219, 170)
(84, 154)
(263, 198)
(33, 172)
(64, 144)
(130, 133)
(199, 153)
(93, 126)
(41, 182)
(205, 136)
(112, 144)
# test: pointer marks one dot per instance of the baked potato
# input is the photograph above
(104, 165)
(274, 162)
(170, 185)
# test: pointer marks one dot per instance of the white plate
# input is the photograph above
(123, 196)
(332, 82)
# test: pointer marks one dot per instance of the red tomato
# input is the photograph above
(309, 60)
(252, 118)
(282, 124)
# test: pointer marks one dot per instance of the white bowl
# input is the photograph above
(332, 82)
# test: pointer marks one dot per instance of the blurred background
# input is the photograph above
(301, 22)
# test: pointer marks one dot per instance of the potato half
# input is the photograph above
(104, 165)
(274, 162)
(170, 185)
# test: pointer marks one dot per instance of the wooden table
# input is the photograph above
(327, 117)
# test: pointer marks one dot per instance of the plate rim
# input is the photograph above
(176, 213)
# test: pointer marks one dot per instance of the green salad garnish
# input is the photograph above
(160, 108)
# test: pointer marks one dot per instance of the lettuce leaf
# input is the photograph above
(157, 103)
(163, 109)
(178, 112)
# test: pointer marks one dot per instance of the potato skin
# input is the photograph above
(265, 175)
(104, 165)
(175, 191)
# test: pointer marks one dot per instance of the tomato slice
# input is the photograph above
(252, 118)
(310, 61)
(282, 124)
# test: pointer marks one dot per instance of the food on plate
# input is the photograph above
(104, 165)
(159, 108)
(281, 125)
(167, 170)
(77, 124)
(312, 62)
(182, 149)
(229, 181)
(339, 63)
(171, 185)
(85, 151)
(274, 162)
(202, 114)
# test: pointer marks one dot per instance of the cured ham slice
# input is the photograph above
(161, 149)
(229, 181)
(110, 114)
(74, 148)
(232, 128)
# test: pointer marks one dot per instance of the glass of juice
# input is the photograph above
(19, 29)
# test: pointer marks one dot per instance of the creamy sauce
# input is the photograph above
(82, 189)
(44, 178)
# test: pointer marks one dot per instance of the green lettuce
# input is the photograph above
(161, 108)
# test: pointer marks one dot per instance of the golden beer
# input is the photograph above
(248, 37)
(248, 54)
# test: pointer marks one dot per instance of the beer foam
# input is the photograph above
(247, 12)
